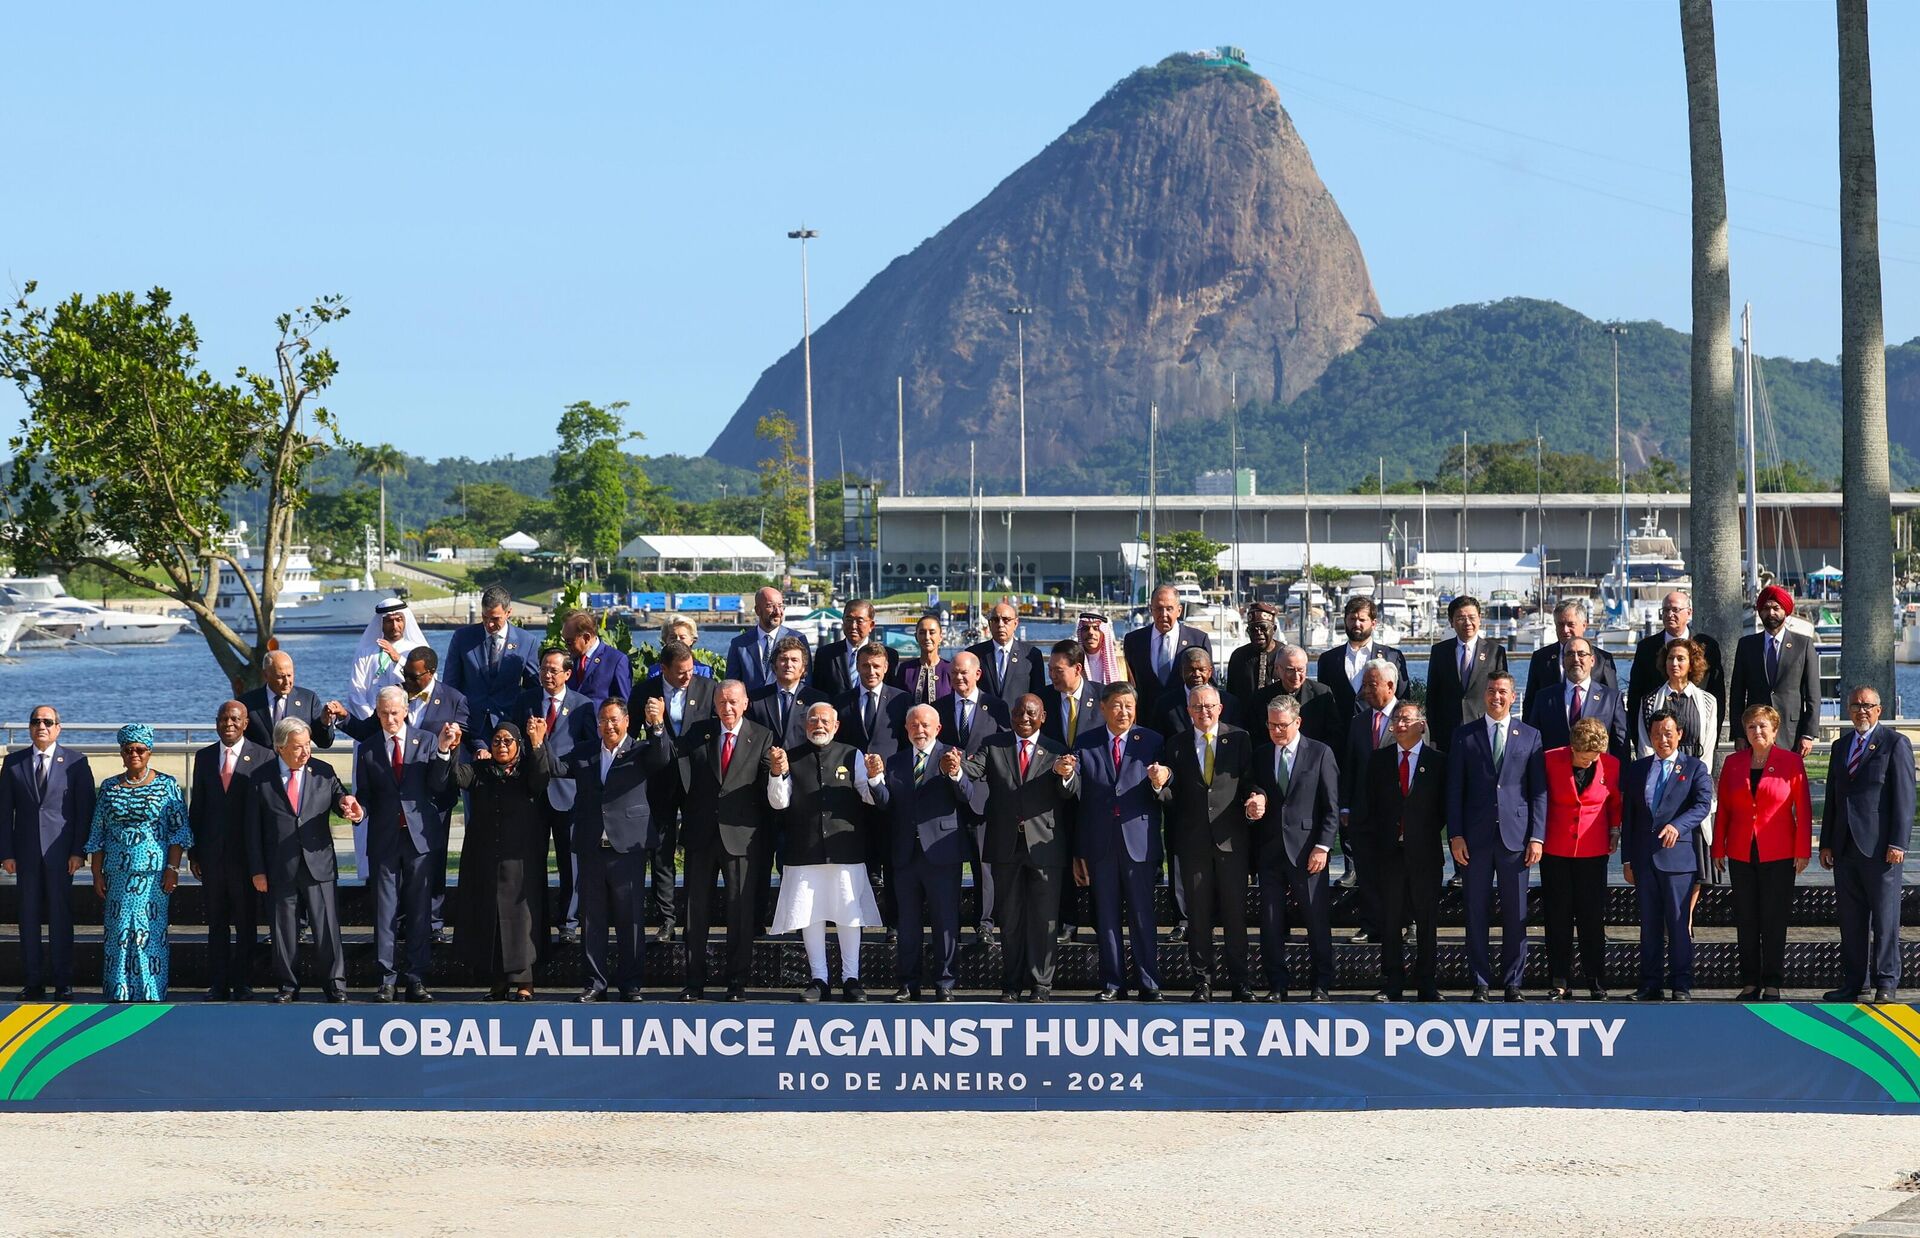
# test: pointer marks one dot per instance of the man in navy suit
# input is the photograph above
(1026, 776)
(1009, 668)
(222, 772)
(492, 662)
(873, 718)
(1072, 705)
(1398, 823)
(278, 698)
(406, 823)
(1649, 669)
(599, 670)
(46, 809)
(1580, 695)
(1152, 650)
(1212, 765)
(290, 850)
(613, 838)
(1342, 666)
(685, 698)
(1779, 667)
(750, 654)
(568, 717)
(835, 669)
(1457, 670)
(1864, 832)
(1121, 784)
(1543, 669)
(780, 705)
(727, 823)
(1293, 807)
(929, 800)
(968, 718)
(1497, 828)
(1665, 801)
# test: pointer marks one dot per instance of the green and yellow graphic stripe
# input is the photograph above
(1881, 1042)
(38, 1042)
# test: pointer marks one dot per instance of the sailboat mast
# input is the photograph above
(1746, 399)
(1153, 500)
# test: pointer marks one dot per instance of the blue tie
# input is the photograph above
(1660, 783)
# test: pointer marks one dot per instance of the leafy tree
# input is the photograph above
(491, 509)
(337, 521)
(591, 477)
(783, 484)
(382, 460)
(127, 439)
(1789, 477)
(1188, 550)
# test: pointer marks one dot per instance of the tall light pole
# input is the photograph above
(1020, 315)
(803, 234)
(1615, 330)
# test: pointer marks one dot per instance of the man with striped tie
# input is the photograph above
(1399, 822)
(1864, 832)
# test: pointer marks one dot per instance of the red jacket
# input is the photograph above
(1781, 816)
(1580, 823)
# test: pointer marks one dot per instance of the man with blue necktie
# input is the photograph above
(1151, 651)
(836, 668)
(750, 655)
(1665, 800)
(600, 671)
(683, 699)
(491, 662)
(968, 718)
(1497, 829)
(1777, 666)
(46, 807)
(781, 704)
(1864, 831)
(1009, 668)
(1121, 785)
(569, 721)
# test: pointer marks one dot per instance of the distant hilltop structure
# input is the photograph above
(1225, 56)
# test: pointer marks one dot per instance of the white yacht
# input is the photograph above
(11, 623)
(57, 618)
(1645, 570)
(233, 607)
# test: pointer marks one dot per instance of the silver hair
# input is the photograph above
(286, 729)
(1284, 705)
(390, 693)
(1381, 667)
(1287, 653)
(1567, 605)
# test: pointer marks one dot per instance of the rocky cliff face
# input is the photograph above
(1175, 236)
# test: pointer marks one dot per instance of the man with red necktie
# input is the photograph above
(1399, 826)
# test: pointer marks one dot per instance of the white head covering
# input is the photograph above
(372, 670)
(1106, 666)
(370, 639)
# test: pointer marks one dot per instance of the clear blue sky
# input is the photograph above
(530, 207)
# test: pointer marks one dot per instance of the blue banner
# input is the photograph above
(692, 601)
(1841, 1058)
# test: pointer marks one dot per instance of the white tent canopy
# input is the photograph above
(518, 541)
(1485, 570)
(740, 553)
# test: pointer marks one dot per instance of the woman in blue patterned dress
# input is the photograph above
(139, 831)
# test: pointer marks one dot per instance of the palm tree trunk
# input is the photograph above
(380, 547)
(1714, 518)
(1866, 657)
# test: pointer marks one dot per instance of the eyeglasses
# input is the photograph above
(43, 722)
(1868, 706)
(1676, 610)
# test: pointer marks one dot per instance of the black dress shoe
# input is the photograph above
(284, 996)
(1681, 995)
(1769, 994)
(942, 993)
(907, 993)
(1108, 995)
(816, 991)
(1242, 993)
(1558, 993)
(692, 995)
(1009, 995)
(1179, 932)
(1388, 995)
(1647, 995)
(569, 937)
(1359, 937)
(1481, 993)
(1202, 992)
(591, 994)
(337, 996)
(417, 992)
(1597, 994)
(62, 992)
(1431, 995)
(736, 992)
(1041, 996)
(1841, 995)
(240, 993)
(384, 993)
(632, 995)
(1317, 994)
(851, 990)
(1274, 995)
(1151, 995)
(1885, 997)
(34, 993)
(443, 937)
(218, 995)
(663, 933)
(1513, 994)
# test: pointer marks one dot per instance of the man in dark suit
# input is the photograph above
(1580, 695)
(599, 670)
(1212, 762)
(1399, 827)
(492, 662)
(278, 698)
(968, 718)
(46, 810)
(1193, 668)
(1255, 667)
(780, 705)
(750, 654)
(290, 850)
(1864, 832)
(1319, 719)
(1026, 777)
(613, 838)
(1293, 806)
(686, 700)
(1342, 666)
(835, 669)
(1122, 785)
(873, 714)
(929, 799)
(1649, 669)
(1497, 829)
(406, 822)
(1665, 800)
(222, 772)
(1779, 667)
(726, 824)
(570, 725)
(1457, 670)
(1543, 668)
(1071, 700)
(1009, 668)
(1152, 650)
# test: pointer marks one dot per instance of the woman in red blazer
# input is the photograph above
(1763, 829)
(1583, 828)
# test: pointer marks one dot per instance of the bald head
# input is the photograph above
(965, 673)
(278, 672)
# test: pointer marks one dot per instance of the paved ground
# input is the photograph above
(1470, 1173)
